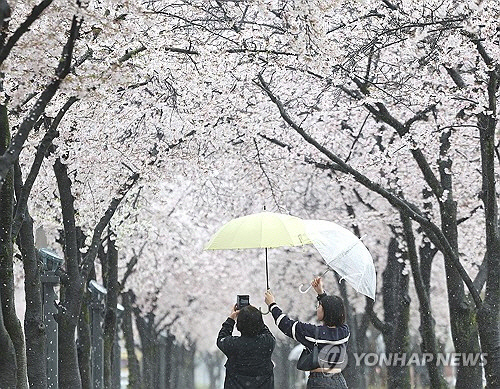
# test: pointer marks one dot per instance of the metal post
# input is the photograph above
(97, 293)
(116, 365)
(49, 280)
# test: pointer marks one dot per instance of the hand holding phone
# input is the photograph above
(242, 300)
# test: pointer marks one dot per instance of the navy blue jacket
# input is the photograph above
(249, 362)
(304, 333)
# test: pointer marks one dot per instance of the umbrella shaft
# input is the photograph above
(267, 272)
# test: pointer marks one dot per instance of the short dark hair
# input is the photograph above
(334, 310)
(250, 321)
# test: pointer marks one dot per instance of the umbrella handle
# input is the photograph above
(304, 291)
(264, 313)
(310, 286)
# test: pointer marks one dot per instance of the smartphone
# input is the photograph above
(242, 301)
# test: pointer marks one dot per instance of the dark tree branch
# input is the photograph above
(261, 166)
(412, 211)
(455, 76)
(22, 29)
(381, 113)
(390, 5)
(43, 147)
(182, 51)
(87, 55)
(130, 54)
(356, 138)
(12, 153)
(103, 222)
(420, 116)
(482, 51)
(167, 325)
(75, 282)
(130, 267)
(481, 275)
(362, 201)
(377, 323)
(275, 141)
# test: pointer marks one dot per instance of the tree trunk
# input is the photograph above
(489, 312)
(396, 315)
(462, 310)
(84, 343)
(282, 376)
(184, 366)
(362, 341)
(490, 339)
(69, 372)
(429, 343)
(72, 289)
(214, 364)
(10, 319)
(146, 333)
(134, 373)
(8, 367)
(110, 314)
(188, 366)
(353, 372)
(175, 367)
(169, 368)
(33, 319)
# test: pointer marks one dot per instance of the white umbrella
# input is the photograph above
(345, 253)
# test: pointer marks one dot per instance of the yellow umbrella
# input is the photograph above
(260, 230)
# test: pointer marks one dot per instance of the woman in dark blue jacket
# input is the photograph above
(249, 362)
(331, 337)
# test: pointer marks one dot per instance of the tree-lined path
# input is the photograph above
(131, 131)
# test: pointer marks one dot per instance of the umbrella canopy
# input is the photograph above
(345, 253)
(341, 249)
(264, 230)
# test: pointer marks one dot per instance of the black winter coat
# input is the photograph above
(249, 364)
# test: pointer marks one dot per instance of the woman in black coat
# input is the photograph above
(249, 362)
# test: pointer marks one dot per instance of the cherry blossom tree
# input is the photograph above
(365, 115)
(366, 71)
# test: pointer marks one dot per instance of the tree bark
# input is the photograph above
(7, 288)
(134, 372)
(145, 327)
(396, 315)
(429, 343)
(463, 320)
(187, 366)
(110, 314)
(214, 363)
(170, 361)
(33, 319)
(8, 158)
(352, 373)
(8, 366)
(489, 312)
(72, 289)
(84, 343)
